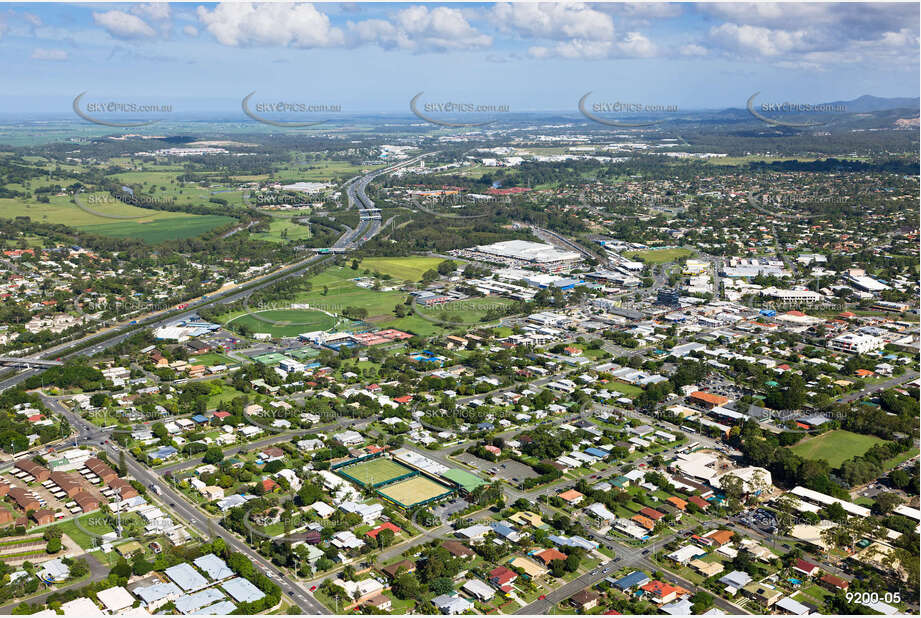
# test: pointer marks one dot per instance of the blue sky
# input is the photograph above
(373, 57)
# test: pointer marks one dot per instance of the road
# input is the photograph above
(908, 376)
(355, 189)
(89, 433)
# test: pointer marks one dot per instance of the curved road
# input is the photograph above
(89, 433)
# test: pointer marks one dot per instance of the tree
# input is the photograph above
(141, 566)
(447, 267)
(785, 507)
(441, 585)
(53, 546)
(702, 601)
(406, 586)
(385, 538)
(885, 502)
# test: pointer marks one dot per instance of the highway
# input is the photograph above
(367, 229)
(88, 433)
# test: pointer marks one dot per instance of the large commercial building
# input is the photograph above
(525, 253)
(854, 343)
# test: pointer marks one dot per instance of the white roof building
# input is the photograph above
(479, 589)
(81, 607)
(115, 599)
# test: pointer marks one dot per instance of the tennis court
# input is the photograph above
(416, 490)
(374, 472)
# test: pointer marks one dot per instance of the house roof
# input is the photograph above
(720, 536)
(457, 549)
(644, 521)
(834, 580)
(711, 398)
(551, 554)
(384, 526)
(678, 502)
(659, 588)
(391, 570)
(651, 513)
(570, 495)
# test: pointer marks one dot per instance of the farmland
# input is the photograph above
(150, 226)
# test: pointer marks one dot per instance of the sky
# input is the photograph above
(374, 57)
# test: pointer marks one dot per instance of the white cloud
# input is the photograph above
(815, 34)
(55, 55)
(157, 11)
(554, 21)
(190, 31)
(295, 25)
(421, 29)
(632, 45)
(123, 25)
(692, 49)
(758, 40)
(34, 20)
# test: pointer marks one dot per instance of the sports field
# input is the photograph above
(835, 447)
(414, 490)
(334, 289)
(659, 256)
(405, 268)
(376, 471)
(284, 322)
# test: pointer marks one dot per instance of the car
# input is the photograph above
(312, 588)
(542, 597)
(645, 552)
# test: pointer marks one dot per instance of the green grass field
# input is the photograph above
(376, 471)
(627, 389)
(405, 268)
(212, 358)
(463, 311)
(659, 256)
(342, 292)
(151, 226)
(281, 230)
(284, 322)
(835, 447)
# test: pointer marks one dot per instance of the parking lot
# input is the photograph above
(445, 510)
(508, 469)
(758, 519)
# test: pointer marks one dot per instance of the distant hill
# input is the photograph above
(869, 103)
